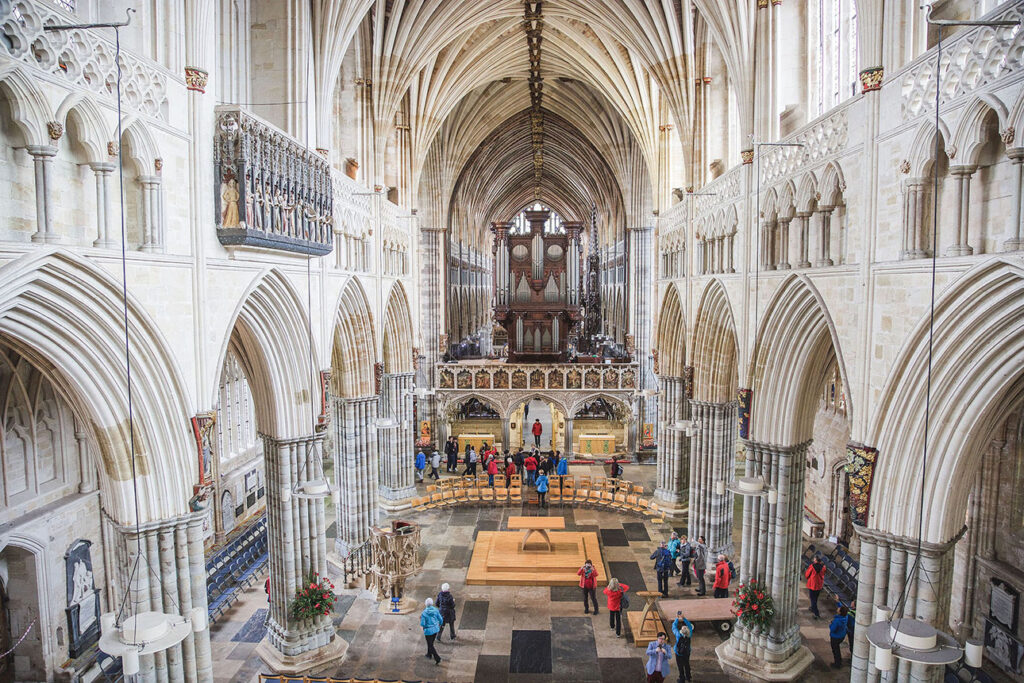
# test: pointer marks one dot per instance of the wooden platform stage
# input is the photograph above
(499, 559)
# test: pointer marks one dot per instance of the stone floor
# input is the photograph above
(521, 634)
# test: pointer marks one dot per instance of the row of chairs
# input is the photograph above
(589, 483)
(229, 573)
(841, 572)
(626, 502)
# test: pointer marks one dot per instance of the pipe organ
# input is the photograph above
(537, 279)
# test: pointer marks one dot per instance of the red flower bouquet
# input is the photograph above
(753, 606)
(314, 599)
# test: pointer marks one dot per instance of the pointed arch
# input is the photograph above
(832, 184)
(29, 107)
(977, 377)
(141, 146)
(65, 316)
(671, 335)
(83, 110)
(270, 335)
(795, 348)
(970, 134)
(354, 344)
(397, 335)
(715, 358)
(807, 190)
(922, 151)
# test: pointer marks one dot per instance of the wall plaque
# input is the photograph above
(1002, 648)
(1002, 604)
(83, 610)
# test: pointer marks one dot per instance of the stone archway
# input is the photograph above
(796, 346)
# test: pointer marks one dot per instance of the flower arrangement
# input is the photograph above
(753, 606)
(314, 599)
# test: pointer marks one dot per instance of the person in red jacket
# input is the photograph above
(722, 576)
(815, 575)
(492, 469)
(537, 430)
(614, 591)
(510, 469)
(531, 469)
(588, 582)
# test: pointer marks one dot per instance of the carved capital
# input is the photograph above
(55, 129)
(1008, 135)
(158, 164)
(113, 149)
(871, 79)
(747, 156)
(904, 167)
(195, 79)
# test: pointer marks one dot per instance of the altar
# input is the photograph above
(596, 444)
(475, 440)
(512, 558)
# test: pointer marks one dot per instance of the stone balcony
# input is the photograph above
(497, 374)
(271, 191)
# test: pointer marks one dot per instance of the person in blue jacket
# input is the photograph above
(562, 468)
(836, 634)
(421, 464)
(542, 488)
(663, 565)
(682, 629)
(431, 621)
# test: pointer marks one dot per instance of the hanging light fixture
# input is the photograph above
(892, 635)
(749, 486)
(147, 632)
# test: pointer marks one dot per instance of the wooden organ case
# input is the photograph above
(537, 287)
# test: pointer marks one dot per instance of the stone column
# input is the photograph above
(298, 545)
(729, 251)
(152, 239)
(712, 459)
(567, 447)
(824, 236)
(804, 218)
(432, 317)
(783, 250)
(42, 156)
(962, 175)
(673, 447)
(771, 553)
(640, 317)
(396, 482)
(104, 238)
(1016, 243)
(913, 220)
(86, 465)
(172, 554)
(355, 468)
(926, 598)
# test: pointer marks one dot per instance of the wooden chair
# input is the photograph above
(435, 501)
(500, 495)
(461, 496)
(446, 484)
(595, 497)
(637, 490)
(652, 510)
(582, 495)
(620, 501)
(632, 505)
(555, 495)
(643, 504)
(607, 498)
(448, 496)
(585, 483)
(554, 481)
(481, 481)
(487, 495)
(420, 503)
(432, 488)
(515, 495)
(568, 481)
(474, 495)
(568, 494)
(517, 481)
(499, 481)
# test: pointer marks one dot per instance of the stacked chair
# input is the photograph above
(235, 567)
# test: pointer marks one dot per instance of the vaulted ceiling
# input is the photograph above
(617, 75)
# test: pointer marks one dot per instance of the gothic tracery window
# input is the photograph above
(833, 26)
(37, 432)
(236, 416)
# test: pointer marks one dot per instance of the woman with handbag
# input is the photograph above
(617, 601)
